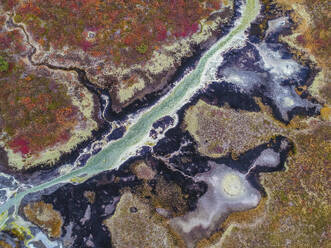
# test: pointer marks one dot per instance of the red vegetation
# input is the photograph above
(39, 114)
(86, 45)
(187, 30)
(120, 26)
(301, 39)
(12, 40)
(19, 144)
(36, 111)
(9, 4)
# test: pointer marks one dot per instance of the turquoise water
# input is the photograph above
(118, 151)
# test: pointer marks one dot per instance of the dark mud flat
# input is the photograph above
(46, 171)
(188, 160)
(160, 126)
(175, 158)
(242, 163)
(71, 202)
(249, 64)
(69, 199)
(224, 92)
(187, 64)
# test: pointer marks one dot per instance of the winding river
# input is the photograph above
(137, 135)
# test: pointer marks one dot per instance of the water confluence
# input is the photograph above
(117, 152)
